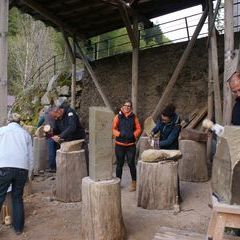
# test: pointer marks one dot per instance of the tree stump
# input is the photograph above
(193, 164)
(40, 153)
(71, 169)
(157, 186)
(101, 210)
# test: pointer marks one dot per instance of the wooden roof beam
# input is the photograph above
(50, 16)
(125, 17)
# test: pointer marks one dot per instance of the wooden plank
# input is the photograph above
(202, 113)
(215, 70)
(229, 46)
(166, 233)
(168, 90)
(4, 4)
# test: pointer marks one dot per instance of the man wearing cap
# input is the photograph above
(16, 163)
(67, 127)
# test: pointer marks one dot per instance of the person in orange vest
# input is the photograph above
(126, 129)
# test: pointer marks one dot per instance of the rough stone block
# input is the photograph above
(100, 143)
(72, 146)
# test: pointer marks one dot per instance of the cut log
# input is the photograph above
(71, 169)
(226, 166)
(101, 210)
(40, 153)
(193, 164)
(157, 186)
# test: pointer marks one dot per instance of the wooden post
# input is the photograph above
(215, 71)
(210, 94)
(94, 77)
(72, 54)
(4, 4)
(180, 65)
(228, 47)
(135, 54)
(73, 87)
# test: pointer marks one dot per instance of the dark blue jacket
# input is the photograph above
(236, 112)
(69, 127)
(126, 128)
(168, 133)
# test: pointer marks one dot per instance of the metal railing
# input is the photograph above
(51, 67)
(182, 29)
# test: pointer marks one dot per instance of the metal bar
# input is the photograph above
(187, 28)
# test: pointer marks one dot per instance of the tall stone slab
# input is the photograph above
(100, 143)
(226, 166)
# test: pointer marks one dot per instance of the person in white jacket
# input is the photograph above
(16, 163)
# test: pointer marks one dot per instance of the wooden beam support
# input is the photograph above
(210, 96)
(69, 48)
(229, 47)
(72, 54)
(179, 67)
(50, 16)
(94, 77)
(124, 14)
(135, 60)
(215, 69)
(4, 6)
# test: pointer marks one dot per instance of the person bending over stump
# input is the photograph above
(126, 129)
(169, 127)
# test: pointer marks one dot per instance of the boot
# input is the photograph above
(133, 186)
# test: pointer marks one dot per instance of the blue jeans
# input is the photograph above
(17, 177)
(52, 150)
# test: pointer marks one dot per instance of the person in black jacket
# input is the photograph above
(234, 84)
(169, 127)
(67, 127)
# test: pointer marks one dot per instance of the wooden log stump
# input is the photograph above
(226, 166)
(40, 153)
(193, 164)
(101, 210)
(157, 186)
(71, 169)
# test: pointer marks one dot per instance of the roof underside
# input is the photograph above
(88, 18)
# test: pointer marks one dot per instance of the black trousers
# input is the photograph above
(129, 153)
(17, 177)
